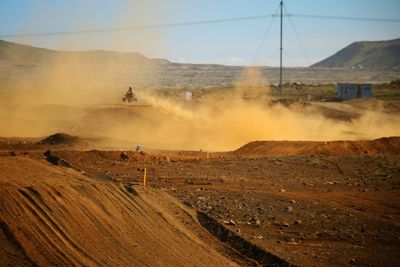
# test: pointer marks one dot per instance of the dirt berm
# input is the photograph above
(381, 146)
(60, 139)
(56, 216)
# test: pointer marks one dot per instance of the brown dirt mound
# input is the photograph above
(382, 146)
(52, 216)
(60, 139)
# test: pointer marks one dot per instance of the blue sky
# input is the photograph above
(231, 43)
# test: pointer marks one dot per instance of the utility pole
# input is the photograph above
(280, 69)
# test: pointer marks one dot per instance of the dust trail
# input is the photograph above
(246, 115)
(243, 115)
(167, 105)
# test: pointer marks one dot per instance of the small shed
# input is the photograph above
(347, 91)
(187, 95)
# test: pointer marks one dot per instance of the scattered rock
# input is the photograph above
(55, 160)
(124, 156)
(230, 222)
(285, 225)
(256, 221)
(258, 236)
(289, 209)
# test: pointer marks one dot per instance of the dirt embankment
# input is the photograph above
(60, 139)
(381, 146)
(57, 216)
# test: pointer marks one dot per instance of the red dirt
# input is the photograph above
(309, 209)
(56, 216)
(381, 146)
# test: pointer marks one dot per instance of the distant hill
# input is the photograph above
(372, 55)
(23, 65)
(25, 54)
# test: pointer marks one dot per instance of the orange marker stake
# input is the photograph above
(208, 155)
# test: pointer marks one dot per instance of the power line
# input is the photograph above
(265, 34)
(298, 37)
(343, 18)
(198, 22)
(141, 27)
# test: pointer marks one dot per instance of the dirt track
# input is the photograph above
(309, 206)
(218, 125)
(307, 203)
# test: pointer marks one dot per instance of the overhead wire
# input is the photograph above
(265, 35)
(198, 22)
(141, 27)
(297, 37)
(343, 18)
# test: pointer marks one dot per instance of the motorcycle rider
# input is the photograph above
(129, 94)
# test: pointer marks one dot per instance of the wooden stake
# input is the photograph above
(208, 155)
(144, 177)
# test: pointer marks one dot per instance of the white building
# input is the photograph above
(187, 95)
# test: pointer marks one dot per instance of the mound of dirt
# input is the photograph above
(52, 216)
(381, 146)
(60, 139)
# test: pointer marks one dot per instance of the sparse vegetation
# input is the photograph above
(293, 91)
(388, 91)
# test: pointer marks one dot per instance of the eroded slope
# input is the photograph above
(57, 216)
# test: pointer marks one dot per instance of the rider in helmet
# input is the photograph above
(129, 94)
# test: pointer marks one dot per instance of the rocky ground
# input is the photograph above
(311, 210)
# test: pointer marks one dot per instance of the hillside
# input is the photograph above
(372, 55)
(55, 216)
(24, 54)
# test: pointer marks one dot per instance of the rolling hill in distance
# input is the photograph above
(109, 69)
(370, 54)
(25, 54)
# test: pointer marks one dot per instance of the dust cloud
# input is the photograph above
(75, 102)
(45, 91)
(245, 115)
(80, 94)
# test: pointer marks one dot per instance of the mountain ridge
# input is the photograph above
(11, 52)
(365, 54)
